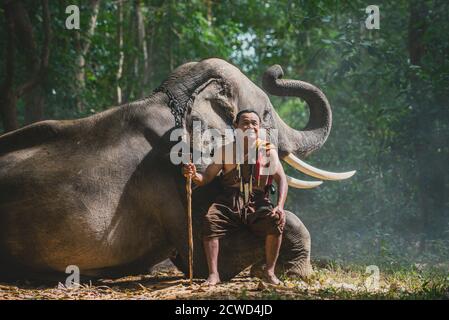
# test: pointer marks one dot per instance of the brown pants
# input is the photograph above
(229, 213)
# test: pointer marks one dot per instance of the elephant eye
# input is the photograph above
(266, 115)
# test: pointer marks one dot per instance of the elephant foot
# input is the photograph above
(290, 270)
(302, 271)
(294, 257)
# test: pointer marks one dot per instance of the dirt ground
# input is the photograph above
(166, 282)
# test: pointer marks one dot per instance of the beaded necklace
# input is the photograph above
(248, 172)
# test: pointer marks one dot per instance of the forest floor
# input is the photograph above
(328, 282)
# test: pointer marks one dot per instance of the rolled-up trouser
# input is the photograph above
(229, 213)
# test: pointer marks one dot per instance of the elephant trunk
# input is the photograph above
(313, 136)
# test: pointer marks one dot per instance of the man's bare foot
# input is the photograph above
(271, 278)
(212, 280)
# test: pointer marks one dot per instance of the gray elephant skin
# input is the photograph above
(101, 192)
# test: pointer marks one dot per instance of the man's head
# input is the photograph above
(247, 124)
(247, 119)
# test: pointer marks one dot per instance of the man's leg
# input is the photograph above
(272, 247)
(211, 248)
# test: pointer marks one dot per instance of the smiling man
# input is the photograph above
(245, 201)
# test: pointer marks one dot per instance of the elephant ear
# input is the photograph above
(212, 106)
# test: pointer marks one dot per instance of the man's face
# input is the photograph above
(249, 121)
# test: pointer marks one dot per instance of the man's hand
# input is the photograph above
(201, 179)
(189, 170)
(279, 214)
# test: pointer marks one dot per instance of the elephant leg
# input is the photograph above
(242, 249)
(294, 257)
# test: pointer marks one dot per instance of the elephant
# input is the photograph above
(101, 193)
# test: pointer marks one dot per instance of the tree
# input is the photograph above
(83, 46)
(120, 49)
(21, 35)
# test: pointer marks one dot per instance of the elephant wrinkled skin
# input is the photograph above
(101, 193)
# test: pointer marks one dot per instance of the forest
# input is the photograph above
(388, 88)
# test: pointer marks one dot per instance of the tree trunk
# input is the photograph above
(34, 105)
(32, 90)
(208, 4)
(170, 36)
(149, 71)
(19, 26)
(34, 94)
(82, 49)
(7, 94)
(9, 113)
(142, 45)
(120, 48)
(130, 62)
(80, 70)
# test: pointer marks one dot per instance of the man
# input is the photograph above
(245, 199)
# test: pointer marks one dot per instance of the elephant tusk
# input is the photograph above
(301, 184)
(300, 165)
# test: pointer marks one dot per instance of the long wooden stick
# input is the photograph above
(189, 225)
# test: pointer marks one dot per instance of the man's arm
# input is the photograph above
(201, 179)
(211, 172)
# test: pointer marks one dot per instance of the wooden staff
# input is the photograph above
(189, 224)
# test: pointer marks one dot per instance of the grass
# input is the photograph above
(335, 281)
(354, 282)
